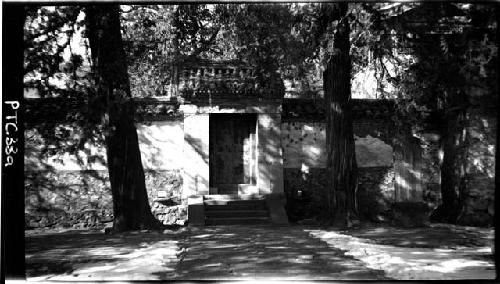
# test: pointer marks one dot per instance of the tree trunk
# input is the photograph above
(341, 164)
(452, 169)
(130, 201)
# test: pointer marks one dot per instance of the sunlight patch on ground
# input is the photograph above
(124, 263)
(406, 263)
(202, 236)
(97, 268)
(456, 264)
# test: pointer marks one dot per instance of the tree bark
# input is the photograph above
(130, 201)
(342, 168)
(452, 169)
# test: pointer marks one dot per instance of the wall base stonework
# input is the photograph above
(82, 199)
(305, 192)
(375, 192)
(67, 199)
(165, 196)
(170, 215)
(410, 214)
(165, 185)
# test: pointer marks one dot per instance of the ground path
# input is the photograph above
(259, 252)
(264, 252)
(91, 255)
(443, 252)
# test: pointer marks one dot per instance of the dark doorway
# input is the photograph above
(232, 152)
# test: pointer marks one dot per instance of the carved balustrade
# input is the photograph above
(211, 81)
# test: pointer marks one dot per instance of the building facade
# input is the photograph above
(221, 137)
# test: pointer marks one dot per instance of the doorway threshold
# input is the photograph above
(233, 197)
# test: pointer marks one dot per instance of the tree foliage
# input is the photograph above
(51, 67)
(57, 65)
(282, 42)
(447, 54)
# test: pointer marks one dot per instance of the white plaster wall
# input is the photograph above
(304, 146)
(161, 144)
(35, 160)
(195, 155)
(270, 156)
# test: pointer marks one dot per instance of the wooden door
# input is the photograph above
(232, 152)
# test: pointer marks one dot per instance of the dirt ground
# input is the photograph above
(442, 252)
(262, 252)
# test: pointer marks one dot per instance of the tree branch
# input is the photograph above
(205, 44)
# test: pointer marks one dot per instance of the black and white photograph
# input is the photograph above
(249, 140)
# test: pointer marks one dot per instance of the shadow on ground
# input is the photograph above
(262, 252)
(65, 253)
(256, 252)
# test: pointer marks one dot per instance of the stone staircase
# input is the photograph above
(235, 209)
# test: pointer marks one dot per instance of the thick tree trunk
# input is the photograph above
(341, 164)
(452, 169)
(130, 200)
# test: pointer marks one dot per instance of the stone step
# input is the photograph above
(233, 197)
(235, 207)
(236, 213)
(237, 220)
(233, 201)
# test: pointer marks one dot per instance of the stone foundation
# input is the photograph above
(375, 192)
(410, 214)
(82, 199)
(165, 196)
(170, 215)
(67, 199)
(305, 190)
(165, 185)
